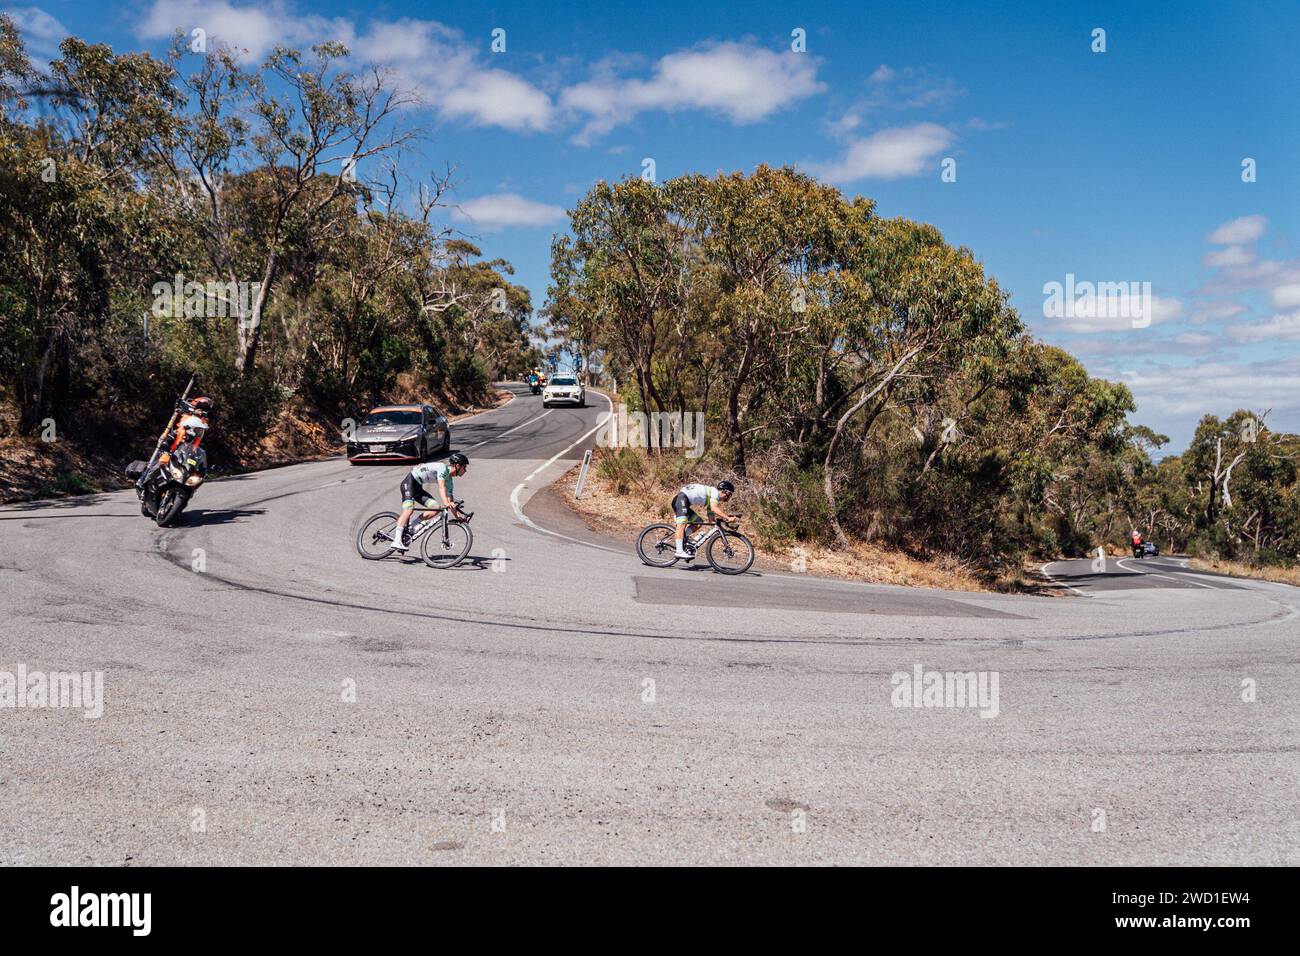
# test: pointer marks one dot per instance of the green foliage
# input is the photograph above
(64, 484)
(469, 376)
(622, 467)
(791, 506)
(133, 173)
(872, 381)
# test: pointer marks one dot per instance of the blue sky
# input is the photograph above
(1115, 166)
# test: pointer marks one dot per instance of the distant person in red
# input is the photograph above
(1137, 541)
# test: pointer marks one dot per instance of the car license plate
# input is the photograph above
(378, 448)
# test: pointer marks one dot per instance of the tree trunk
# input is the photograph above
(828, 484)
(250, 326)
(34, 405)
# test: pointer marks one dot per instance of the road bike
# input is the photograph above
(444, 541)
(728, 551)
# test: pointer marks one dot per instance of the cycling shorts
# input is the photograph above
(414, 495)
(682, 511)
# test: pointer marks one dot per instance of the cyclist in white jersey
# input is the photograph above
(416, 488)
(705, 498)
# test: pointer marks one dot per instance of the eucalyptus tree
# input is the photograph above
(305, 124)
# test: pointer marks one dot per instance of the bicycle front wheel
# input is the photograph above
(447, 550)
(730, 553)
(375, 539)
(655, 546)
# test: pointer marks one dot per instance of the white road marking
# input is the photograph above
(1047, 574)
(515, 429)
(514, 495)
(1166, 577)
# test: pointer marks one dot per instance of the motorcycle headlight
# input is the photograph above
(178, 472)
(193, 480)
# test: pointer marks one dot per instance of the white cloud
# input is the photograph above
(505, 210)
(743, 82)
(41, 33)
(1286, 296)
(1172, 396)
(257, 28)
(1238, 231)
(1229, 257)
(889, 154)
(1215, 311)
(498, 98)
(1282, 328)
(426, 57)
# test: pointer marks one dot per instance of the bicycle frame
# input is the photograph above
(425, 525)
(716, 531)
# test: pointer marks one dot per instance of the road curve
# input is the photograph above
(271, 698)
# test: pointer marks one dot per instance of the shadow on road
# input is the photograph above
(61, 504)
(202, 517)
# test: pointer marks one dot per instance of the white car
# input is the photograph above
(564, 390)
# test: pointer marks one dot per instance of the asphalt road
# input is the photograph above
(269, 697)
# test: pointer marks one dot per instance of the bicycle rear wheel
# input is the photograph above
(449, 552)
(375, 539)
(655, 546)
(731, 553)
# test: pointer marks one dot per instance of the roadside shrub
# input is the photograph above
(791, 505)
(621, 467)
(468, 378)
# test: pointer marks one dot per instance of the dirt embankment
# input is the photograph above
(622, 516)
(32, 468)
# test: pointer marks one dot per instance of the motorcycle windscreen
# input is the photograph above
(192, 456)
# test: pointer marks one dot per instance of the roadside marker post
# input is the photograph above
(582, 474)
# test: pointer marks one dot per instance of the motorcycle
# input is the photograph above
(536, 385)
(166, 482)
(166, 489)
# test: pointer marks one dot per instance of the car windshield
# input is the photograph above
(393, 417)
(564, 380)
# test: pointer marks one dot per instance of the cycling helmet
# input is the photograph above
(456, 458)
(725, 485)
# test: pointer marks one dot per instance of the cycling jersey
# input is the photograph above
(413, 489)
(429, 473)
(701, 496)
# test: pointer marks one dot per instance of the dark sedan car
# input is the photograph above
(400, 433)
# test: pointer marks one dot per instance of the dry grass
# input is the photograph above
(647, 500)
(31, 468)
(1240, 570)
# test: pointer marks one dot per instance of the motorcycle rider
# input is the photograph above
(191, 427)
(706, 498)
(196, 418)
(416, 494)
(1137, 543)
